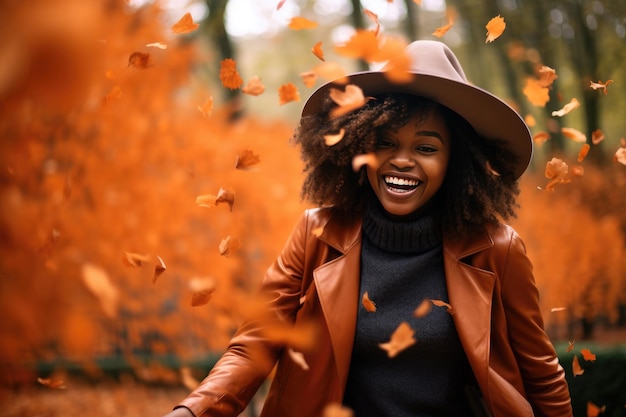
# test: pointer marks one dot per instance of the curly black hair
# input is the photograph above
(480, 187)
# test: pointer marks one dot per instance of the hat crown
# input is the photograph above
(434, 58)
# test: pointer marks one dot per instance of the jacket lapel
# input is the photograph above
(470, 292)
(337, 283)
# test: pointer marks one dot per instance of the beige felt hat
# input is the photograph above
(438, 76)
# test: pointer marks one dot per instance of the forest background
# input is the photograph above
(118, 136)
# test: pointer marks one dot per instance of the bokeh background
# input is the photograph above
(112, 125)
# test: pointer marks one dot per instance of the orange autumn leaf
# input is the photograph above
(536, 93)
(577, 171)
(337, 410)
(299, 23)
(620, 156)
(254, 87)
(546, 75)
(587, 355)
(495, 27)
(331, 140)
(402, 338)
(557, 309)
(440, 303)
(99, 284)
(398, 61)
(134, 259)
(599, 85)
(317, 232)
(140, 60)
(556, 171)
(288, 93)
(202, 290)
(593, 410)
(350, 99)
(187, 378)
(228, 74)
(418, 2)
(576, 368)
(423, 309)
(368, 159)
(246, 160)
(298, 358)
(573, 104)
(573, 134)
(374, 17)
(52, 383)
(229, 245)
(584, 150)
(185, 25)
(318, 52)
(159, 268)
(159, 45)
(368, 304)
(308, 78)
(206, 200)
(207, 107)
(331, 71)
(530, 120)
(441, 30)
(362, 45)
(541, 137)
(225, 196)
(597, 136)
(570, 346)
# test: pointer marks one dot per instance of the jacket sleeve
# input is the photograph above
(543, 376)
(251, 355)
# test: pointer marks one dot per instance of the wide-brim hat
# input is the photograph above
(438, 75)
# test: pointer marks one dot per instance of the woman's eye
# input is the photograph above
(426, 149)
(384, 143)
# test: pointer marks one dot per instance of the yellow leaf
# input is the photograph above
(495, 28)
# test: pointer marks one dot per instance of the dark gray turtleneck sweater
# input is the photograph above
(401, 265)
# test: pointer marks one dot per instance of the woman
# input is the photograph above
(421, 220)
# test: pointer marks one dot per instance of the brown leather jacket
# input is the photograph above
(316, 279)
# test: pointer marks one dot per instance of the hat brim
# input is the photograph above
(491, 117)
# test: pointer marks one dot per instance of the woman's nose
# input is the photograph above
(402, 160)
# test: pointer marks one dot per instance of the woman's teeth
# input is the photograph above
(401, 184)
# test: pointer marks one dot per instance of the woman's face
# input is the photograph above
(412, 163)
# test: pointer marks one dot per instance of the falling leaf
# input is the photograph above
(418, 2)
(397, 68)
(440, 303)
(570, 346)
(536, 93)
(185, 25)
(374, 17)
(540, 138)
(299, 23)
(573, 134)
(187, 378)
(308, 78)
(402, 338)
(288, 93)
(593, 410)
(159, 45)
(247, 159)
(350, 99)
(203, 289)
(159, 268)
(557, 309)
(280, 4)
(97, 281)
(587, 355)
(225, 196)
(576, 368)
(495, 27)
(228, 74)
(206, 200)
(331, 140)
(362, 45)
(556, 171)
(254, 87)
(620, 156)
(573, 104)
(52, 383)
(337, 410)
(584, 150)
(577, 171)
(298, 358)
(207, 107)
(317, 232)
(368, 304)
(331, 71)
(600, 85)
(139, 60)
(364, 159)
(134, 259)
(530, 120)
(441, 30)
(423, 309)
(229, 245)
(597, 136)
(546, 75)
(318, 52)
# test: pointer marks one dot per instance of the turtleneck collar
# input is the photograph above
(411, 236)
